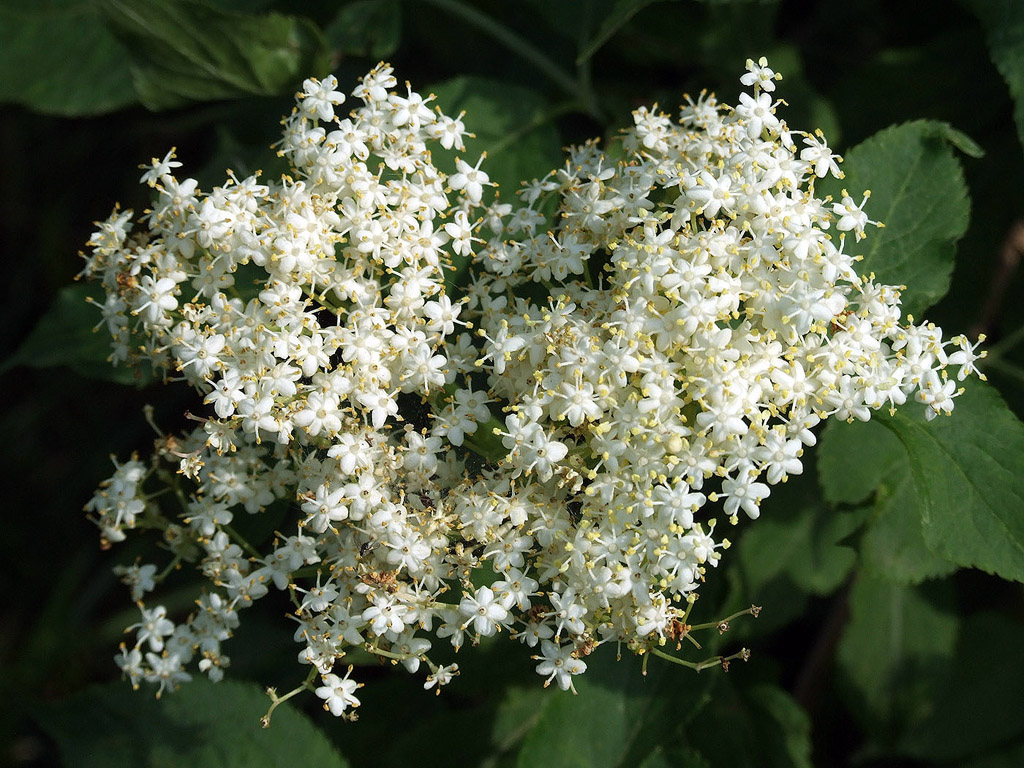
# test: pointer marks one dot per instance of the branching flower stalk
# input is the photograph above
(547, 454)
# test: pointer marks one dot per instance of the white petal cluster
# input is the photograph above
(305, 311)
(657, 355)
(663, 333)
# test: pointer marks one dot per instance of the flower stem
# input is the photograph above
(373, 649)
(696, 666)
(237, 537)
(275, 699)
(168, 570)
(584, 79)
(751, 611)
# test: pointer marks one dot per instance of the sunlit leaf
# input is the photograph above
(918, 192)
(967, 475)
(186, 50)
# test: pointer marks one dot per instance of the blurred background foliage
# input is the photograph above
(873, 649)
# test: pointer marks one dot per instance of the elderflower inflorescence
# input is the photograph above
(658, 355)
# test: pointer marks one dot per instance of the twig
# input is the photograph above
(1009, 262)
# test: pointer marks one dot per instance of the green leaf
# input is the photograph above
(516, 715)
(619, 715)
(952, 496)
(672, 757)
(893, 544)
(58, 57)
(966, 471)
(825, 561)
(805, 547)
(1003, 22)
(200, 724)
(65, 335)
(513, 125)
(370, 28)
(760, 726)
(858, 459)
(806, 540)
(853, 458)
(888, 655)
(957, 138)
(918, 192)
(974, 701)
(186, 50)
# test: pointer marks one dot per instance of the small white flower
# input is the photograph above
(441, 676)
(470, 178)
(486, 614)
(338, 692)
(558, 663)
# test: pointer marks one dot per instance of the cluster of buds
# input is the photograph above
(543, 455)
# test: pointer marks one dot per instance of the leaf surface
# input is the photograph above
(186, 50)
(215, 725)
(65, 335)
(619, 715)
(893, 651)
(967, 475)
(864, 459)
(58, 57)
(918, 192)
(1003, 22)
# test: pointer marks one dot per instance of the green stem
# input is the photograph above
(381, 652)
(275, 699)
(237, 537)
(167, 571)
(584, 79)
(726, 620)
(295, 599)
(172, 483)
(691, 600)
(696, 666)
(510, 40)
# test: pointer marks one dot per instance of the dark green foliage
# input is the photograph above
(890, 572)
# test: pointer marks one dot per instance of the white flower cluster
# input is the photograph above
(662, 351)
